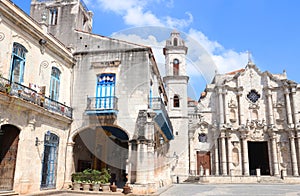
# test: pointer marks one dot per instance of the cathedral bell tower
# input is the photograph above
(176, 81)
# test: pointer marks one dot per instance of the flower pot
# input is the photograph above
(76, 186)
(86, 186)
(96, 187)
(113, 188)
(126, 189)
(105, 187)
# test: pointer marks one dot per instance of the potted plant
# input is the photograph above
(96, 179)
(105, 177)
(86, 179)
(76, 178)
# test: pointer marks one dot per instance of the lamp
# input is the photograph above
(47, 139)
(42, 42)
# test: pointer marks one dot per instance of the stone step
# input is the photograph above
(270, 179)
(8, 193)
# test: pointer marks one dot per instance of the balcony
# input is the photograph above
(162, 118)
(102, 105)
(32, 96)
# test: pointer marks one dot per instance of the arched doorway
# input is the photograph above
(9, 139)
(102, 147)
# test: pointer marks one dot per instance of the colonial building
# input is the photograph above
(35, 95)
(72, 100)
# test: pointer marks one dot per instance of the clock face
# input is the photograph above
(176, 61)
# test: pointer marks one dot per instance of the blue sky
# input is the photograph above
(226, 29)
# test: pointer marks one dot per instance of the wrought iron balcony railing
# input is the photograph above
(162, 118)
(104, 105)
(32, 96)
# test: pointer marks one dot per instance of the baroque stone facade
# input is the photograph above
(244, 121)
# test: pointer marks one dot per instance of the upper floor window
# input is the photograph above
(176, 101)
(18, 63)
(175, 67)
(105, 92)
(53, 12)
(55, 84)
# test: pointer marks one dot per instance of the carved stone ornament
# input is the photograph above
(256, 129)
(2, 36)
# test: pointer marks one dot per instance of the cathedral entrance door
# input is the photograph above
(203, 159)
(258, 158)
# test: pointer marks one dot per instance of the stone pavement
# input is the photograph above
(232, 189)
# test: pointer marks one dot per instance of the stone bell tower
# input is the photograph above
(176, 81)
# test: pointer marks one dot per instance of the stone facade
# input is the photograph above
(246, 120)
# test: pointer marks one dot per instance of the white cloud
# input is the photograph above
(135, 13)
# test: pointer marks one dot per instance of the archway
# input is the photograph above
(9, 139)
(102, 147)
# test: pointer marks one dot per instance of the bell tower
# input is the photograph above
(176, 81)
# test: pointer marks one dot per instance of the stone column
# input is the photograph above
(274, 154)
(223, 148)
(69, 163)
(298, 152)
(141, 164)
(226, 113)
(293, 155)
(129, 161)
(229, 152)
(216, 158)
(245, 155)
(221, 105)
(150, 145)
(288, 106)
(270, 107)
(192, 157)
(241, 112)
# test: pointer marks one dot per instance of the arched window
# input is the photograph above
(175, 67)
(49, 167)
(105, 94)
(175, 42)
(176, 101)
(18, 63)
(202, 137)
(55, 83)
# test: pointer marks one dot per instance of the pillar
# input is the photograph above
(192, 157)
(223, 150)
(141, 164)
(274, 154)
(128, 163)
(293, 155)
(288, 106)
(229, 152)
(270, 107)
(221, 105)
(241, 111)
(69, 163)
(245, 155)
(216, 158)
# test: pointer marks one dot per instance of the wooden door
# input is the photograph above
(9, 138)
(203, 159)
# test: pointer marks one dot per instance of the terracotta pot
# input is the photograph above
(86, 186)
(113, 188)
(76, 186)
(105, 187)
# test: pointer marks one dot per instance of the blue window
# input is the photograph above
(49, 167)
(54, 84)
(105, 92)
(18, 63)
